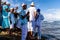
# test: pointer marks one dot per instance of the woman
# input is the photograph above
(6, 20)
(12, 19)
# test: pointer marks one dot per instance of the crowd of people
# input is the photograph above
(28, 19)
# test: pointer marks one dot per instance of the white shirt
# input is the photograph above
(31, 13)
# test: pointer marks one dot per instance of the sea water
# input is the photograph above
(51, 30)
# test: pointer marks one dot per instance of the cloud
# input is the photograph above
(14, 5)
(52, 15)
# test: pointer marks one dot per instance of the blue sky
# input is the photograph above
(49, 8)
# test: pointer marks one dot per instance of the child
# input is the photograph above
(38, 22)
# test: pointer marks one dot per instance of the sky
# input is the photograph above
(50, 9)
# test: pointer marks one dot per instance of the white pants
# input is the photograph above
(24, 32)
(30, 25)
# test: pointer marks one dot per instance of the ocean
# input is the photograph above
(51, 30)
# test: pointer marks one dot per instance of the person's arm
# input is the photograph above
(6, 9)
(42, 17)
(21, 16)
(35, 13)
(26, 14)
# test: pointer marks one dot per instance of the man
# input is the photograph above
(22, 23)
(32, 14)
(38, 24)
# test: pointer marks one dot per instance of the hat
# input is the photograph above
(23, 4)
(32, 3)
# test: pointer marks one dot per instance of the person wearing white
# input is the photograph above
(12, 19)
(32, 14)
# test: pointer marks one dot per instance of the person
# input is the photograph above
(32, 14)
(1, 18)
(12, 20)
(6, 21)
(16, 16)
(1, 15)
(22, 23)
(38, 23)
